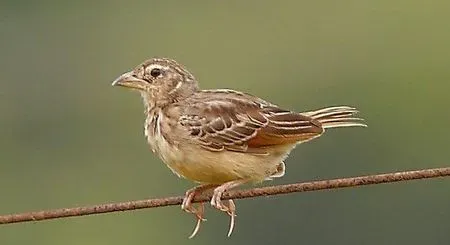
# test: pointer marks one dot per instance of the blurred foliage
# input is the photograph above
(67, 138)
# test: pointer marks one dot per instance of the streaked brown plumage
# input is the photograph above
(221, 138)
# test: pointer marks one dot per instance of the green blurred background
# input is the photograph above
(68, 138)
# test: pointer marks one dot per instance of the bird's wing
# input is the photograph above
(243, 123)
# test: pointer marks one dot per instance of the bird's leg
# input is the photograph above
(228, 206)
(188, 207)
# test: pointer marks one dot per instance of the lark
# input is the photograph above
(221, 138)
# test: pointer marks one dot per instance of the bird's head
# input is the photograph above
(160, 81)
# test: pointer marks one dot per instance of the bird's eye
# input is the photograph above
(155, 72)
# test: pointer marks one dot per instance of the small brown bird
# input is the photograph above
(220, 138)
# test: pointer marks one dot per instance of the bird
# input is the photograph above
(221, 138)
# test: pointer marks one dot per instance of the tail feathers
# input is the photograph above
(338, 116)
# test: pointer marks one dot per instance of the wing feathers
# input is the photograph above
(229, 120)
(246, 127)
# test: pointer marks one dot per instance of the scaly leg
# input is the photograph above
(229, 208)
(189, 208)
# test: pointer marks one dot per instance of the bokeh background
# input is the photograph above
(68, 138)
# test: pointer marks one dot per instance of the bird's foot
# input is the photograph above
(229, 208)
(188, 206)
(226, 206)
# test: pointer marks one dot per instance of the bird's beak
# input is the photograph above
(130, 81)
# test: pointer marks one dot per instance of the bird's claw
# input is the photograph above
(216, 201)
(230, 209)
(188, 207)
(199, 215)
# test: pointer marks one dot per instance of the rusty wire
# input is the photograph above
(238, 194)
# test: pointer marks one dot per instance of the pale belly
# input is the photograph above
(200, 165)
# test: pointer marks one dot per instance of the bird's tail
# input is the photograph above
(338, 116)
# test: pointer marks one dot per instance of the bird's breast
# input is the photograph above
(157, 139)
